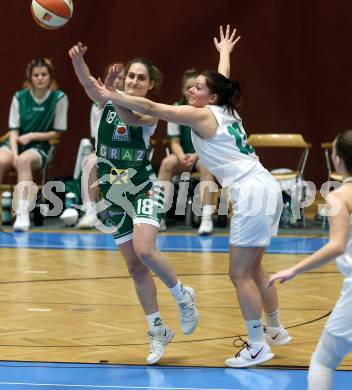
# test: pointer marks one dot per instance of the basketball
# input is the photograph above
(52, 14)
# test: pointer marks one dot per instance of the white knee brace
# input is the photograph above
(327, 356)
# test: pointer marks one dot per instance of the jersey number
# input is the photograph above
(240, 137)
(145, 206)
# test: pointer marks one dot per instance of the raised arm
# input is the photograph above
(76, 54)
(200, 119)
(225, 46)
(338, 238)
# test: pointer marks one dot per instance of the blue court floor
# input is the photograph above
(45, 376)
(49, 376)
(169, 243)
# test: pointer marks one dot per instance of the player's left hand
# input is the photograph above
(281, 276)
(227, 42)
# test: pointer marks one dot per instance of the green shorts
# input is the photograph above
(42, 153)
(126, 209)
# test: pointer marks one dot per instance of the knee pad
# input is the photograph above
(329, 352)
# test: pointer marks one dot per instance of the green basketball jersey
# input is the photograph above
(186, 139)
(184, 133)
(37, 117)
(122, 151)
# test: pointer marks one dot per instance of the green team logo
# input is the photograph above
(121, 133)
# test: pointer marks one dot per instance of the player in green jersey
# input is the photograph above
(90, 194)
(133, 198)
(38, 114)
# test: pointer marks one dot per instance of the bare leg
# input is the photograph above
(26, 190)
(26, 163)
(268, 295)
(6, 162)
(167, 169)
(242, 261)
(141, 256)
(89, 192)
(206, 176)
(256, 350)
(142, 279)
(144, 239)
(89, 177)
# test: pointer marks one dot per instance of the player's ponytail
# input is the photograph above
(228, 91)
(343, 147)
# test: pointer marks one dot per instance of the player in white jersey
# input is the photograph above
(221, 144)
(336, 340)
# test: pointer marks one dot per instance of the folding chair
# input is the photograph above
(332, 175)
(190, 218)
(285, 141)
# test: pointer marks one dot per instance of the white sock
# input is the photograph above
(207, 211)
(178, 292)
(155, 322)
(272, 320)
(91, 208)
(255, 331)
(23, 206)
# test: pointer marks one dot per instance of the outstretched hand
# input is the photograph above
(281, 276)
(77, 51)
(114, 72)
(227, 42)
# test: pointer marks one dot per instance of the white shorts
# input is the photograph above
(257, 206)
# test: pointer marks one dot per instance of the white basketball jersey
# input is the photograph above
(344, 262)
(227, 155)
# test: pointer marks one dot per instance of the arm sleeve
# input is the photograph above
(14, 117)
(60, 121)
(173, 129)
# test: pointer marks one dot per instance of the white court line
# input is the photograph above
(33, 309)
(112, 387)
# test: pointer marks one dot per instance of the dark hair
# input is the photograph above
(228, 91)
(343, 147)
(38, 63)
(188, 74)
(153, 72)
